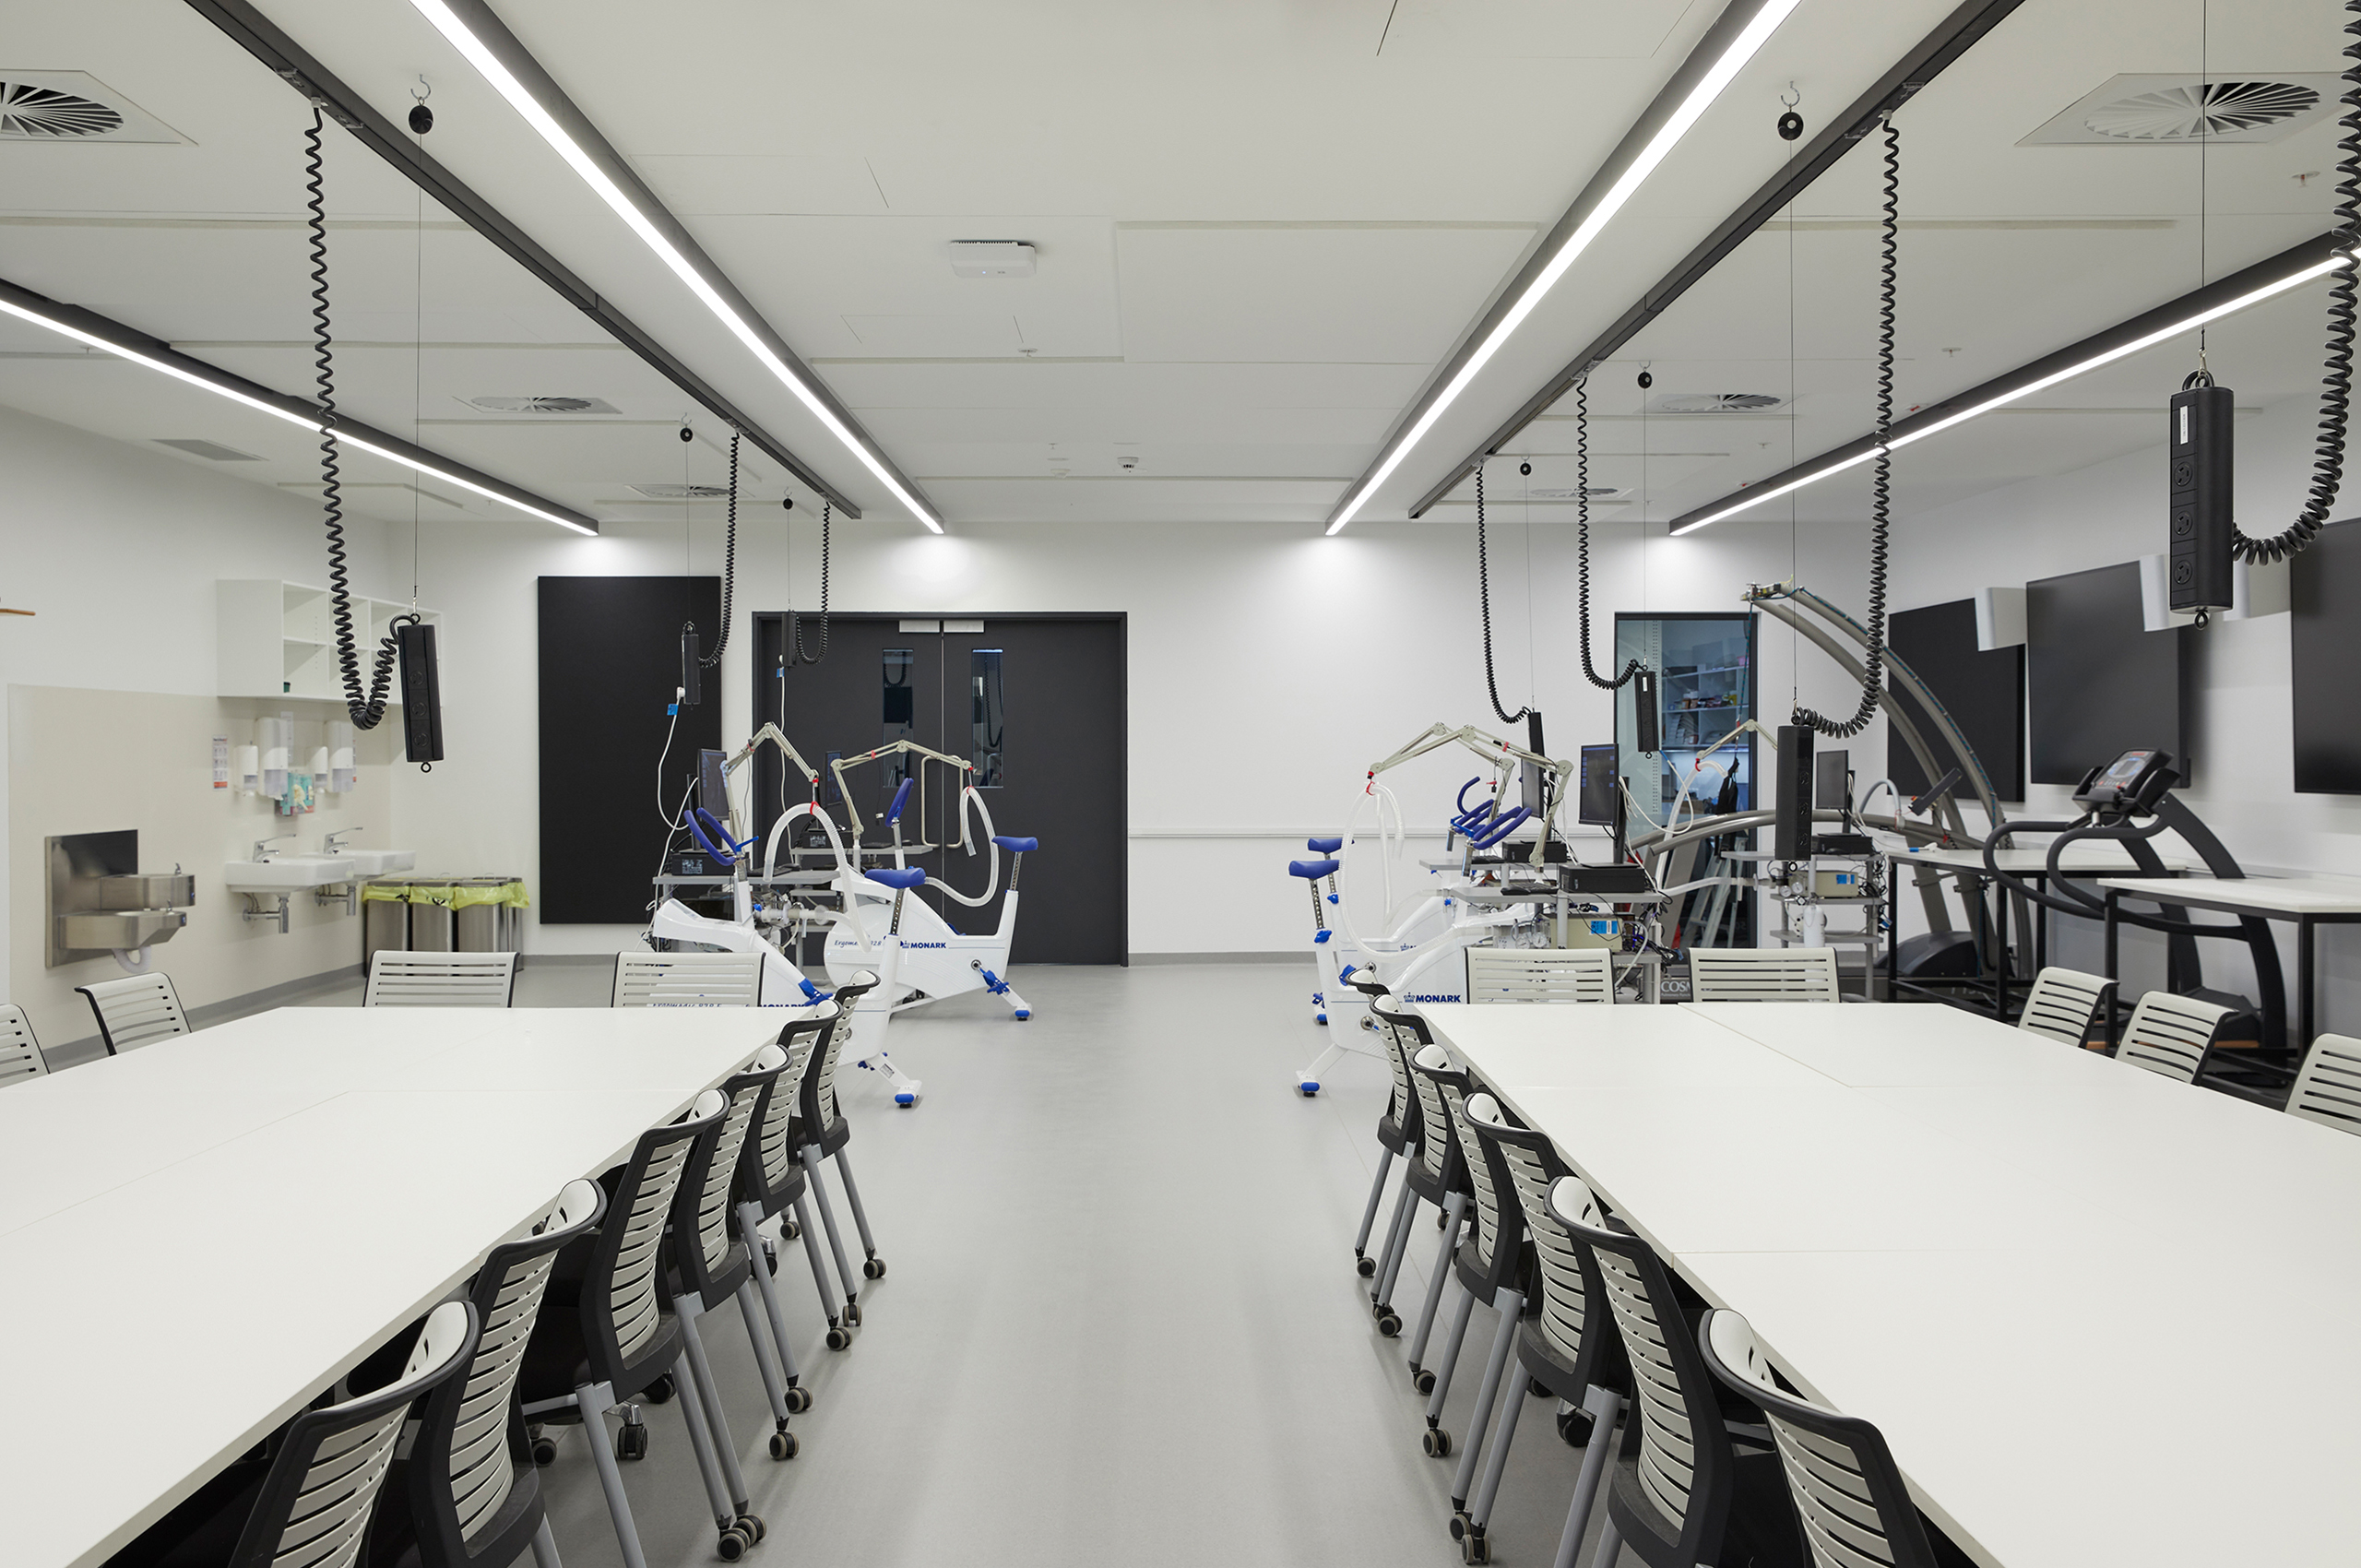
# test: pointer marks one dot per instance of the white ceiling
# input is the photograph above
(1259, 228)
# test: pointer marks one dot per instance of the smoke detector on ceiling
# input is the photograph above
(545, 405)
(73, 106)
(991, 258)
(1717, 402)
(2150, 108)
(683, 491)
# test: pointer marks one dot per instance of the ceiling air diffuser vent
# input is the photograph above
(62, 106)
(1717, 402)
(2146, 109)
(196, 446)
(683, 491)
(1567, 492)
(545, 405)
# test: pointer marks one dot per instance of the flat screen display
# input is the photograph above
(1983, 691)
(713, 784)
(2324, 644)
(1598, 786)
(1832, 782)
(2097, 682)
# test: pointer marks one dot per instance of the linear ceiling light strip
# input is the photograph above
(2290, 268)
(1735, 36)
(99, 332)
(494, 51)
(1960, 32)
(259, 37)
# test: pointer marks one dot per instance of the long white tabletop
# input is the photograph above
(197, 1238)
(2290, 896)
(2013, 1256)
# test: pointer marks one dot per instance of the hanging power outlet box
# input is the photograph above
(2200, 452)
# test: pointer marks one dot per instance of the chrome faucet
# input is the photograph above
(262, 845)
(329, 845)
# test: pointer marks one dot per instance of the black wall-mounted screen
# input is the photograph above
(2324, 647)
(1984, 693)
(610, 660)
(2097, 682)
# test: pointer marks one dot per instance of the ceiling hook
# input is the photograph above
(419, 96)
(1793, 96)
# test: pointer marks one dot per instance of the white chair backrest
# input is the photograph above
(1763, 974)
(1539, 974)
(134, 1011)
(441, 979)
(20, 1055)
(688, 980)
(2329, 1088)
(2063, 1002)
(2170, 1035)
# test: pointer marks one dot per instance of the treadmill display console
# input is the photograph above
(2123, 780)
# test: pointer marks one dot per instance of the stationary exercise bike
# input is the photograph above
(2131, 801)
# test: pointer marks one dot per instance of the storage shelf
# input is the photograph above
(273, 640)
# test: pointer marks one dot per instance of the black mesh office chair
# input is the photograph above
(823, 1133)
(1395, 1127)
(771, 1183)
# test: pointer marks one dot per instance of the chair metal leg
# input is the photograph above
(1450, 1362)
(819, 1194)
(1453, 1207)
(812, 1255)
(684, 1388)
(1397, 1241)
(1496, 1463)
(710, 1398)
(595, 1400)
(1376, 1195)
(755, 1334)
(750, 1216)
(852, 1195)
(1603, 1405)
(545, 1548)
(1511, 1306)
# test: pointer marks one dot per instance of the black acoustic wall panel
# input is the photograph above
(2097, 682)
(609, 659)
(2324, 646)
(1984, 693)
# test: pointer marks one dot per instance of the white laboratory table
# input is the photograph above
(197, 1238)
(2310, 902)
(2022, 1261)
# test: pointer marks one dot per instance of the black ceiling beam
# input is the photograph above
(2197, 302)
(107, 331)
(253, 32)
(1958, 33)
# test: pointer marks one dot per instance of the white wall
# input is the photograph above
(117, 548)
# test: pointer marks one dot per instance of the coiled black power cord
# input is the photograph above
(367, 711)
(1882, 490)
(828, 516)
(2336, 392)
(1581, 541)
(728, 562)
(1484, 600)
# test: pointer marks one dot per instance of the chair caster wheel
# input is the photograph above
(852, 1315)
(1436, 1443)
(1534, 1389)
(660, 1391)
(770, 1257)
(1423, 1380)
(839, 1339)
(750, 1525)
(630, 1444)
(544, 1451)
(783, 1445)
(873, 1270)
(798, 1400)
(731, 1546)
(1574, 1427)
(1388, 1324)
(1474, 1548)
(1365, 1267)
(790, 1229)
(1459, 1524)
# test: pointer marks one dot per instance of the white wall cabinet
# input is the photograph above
(277, 640)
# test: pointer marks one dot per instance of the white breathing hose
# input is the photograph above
(844, 866)
(967, 797)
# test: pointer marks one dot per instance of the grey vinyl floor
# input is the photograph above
(1121, 1323)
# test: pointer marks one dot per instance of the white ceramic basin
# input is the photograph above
(285, 872)
(377, 862)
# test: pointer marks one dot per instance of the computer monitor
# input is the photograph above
(713, 784)
(1600, 786)
(1832, 773)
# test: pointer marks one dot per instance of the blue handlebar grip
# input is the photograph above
(698, 820)
(894, 812)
